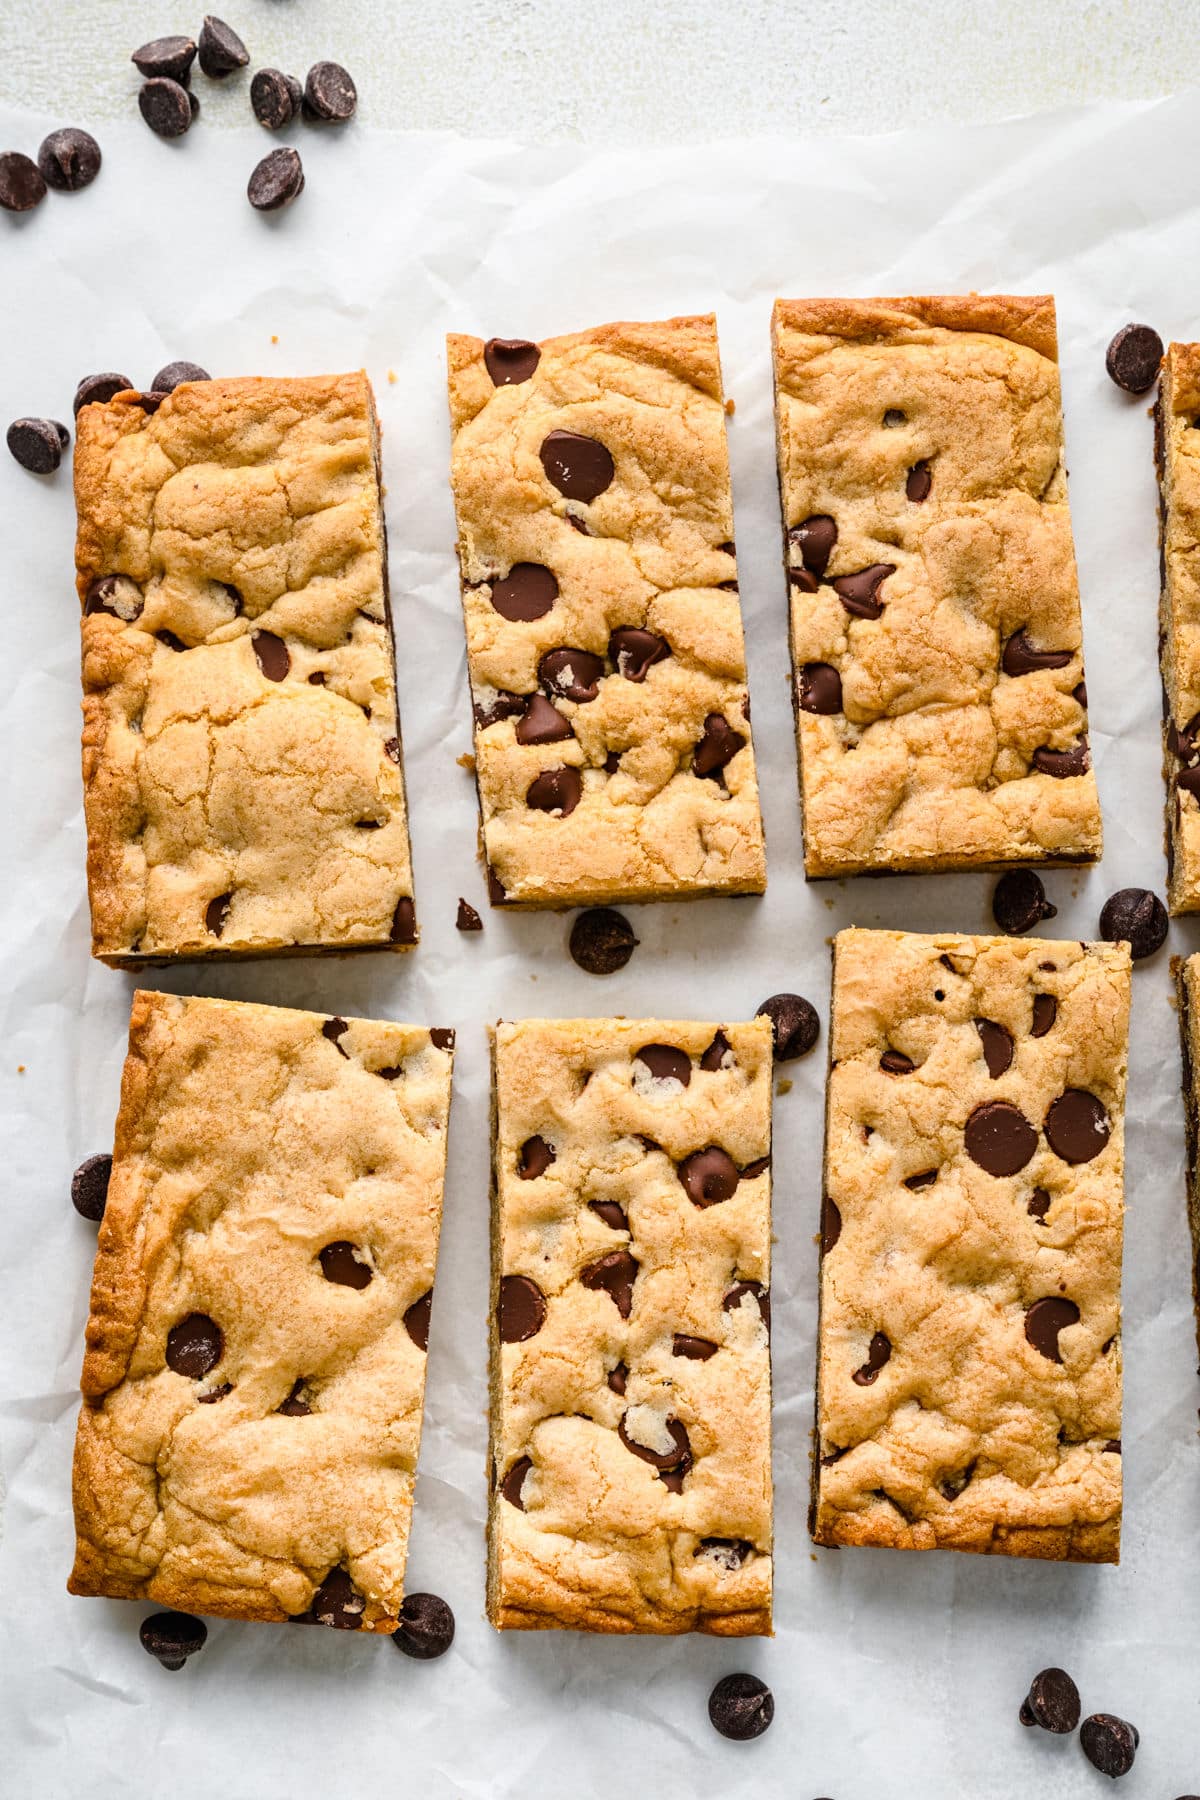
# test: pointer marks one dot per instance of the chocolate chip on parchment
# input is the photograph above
(859, 593)
(1045, 1011)
(542, 723)
(1019, 902)
(602, 941)
(337, 1603)
(22, 184)
(572, 674)
(276, 181)
(633, 651)
(69, 160)
(194, 1346)
(1133, 358)
(416, 1320)
(274, 98)
(216, 914)
(169, 56)
(522, 1310)
(718, 747)
(171, 1637)
(330, 96)
(89, 1187)
(579, 467)
(534, 1158)
(614, 1275)
(557, 791)
(404, 922)
(221, 49)
(820, 689)
(1110, 1744)
(999, 1138)
(97, 389)
(1053, 1701)
(1045, 1319)
(813, 540)
(344, 1264)
(526, 593)
(426, 1627)
(468, 919)
(611, 1212)
(1137, 917)
(37, 444)
(997, 1047)
(167, 107)
(733, 1297)
(514, 1481)
(693, 1349)
(708, 1176)
(1063, 763)
(831, 1224)
(741, 1707)
(173, 374)
(271, 654)
(879, 1352)
(1020, 657)
(919, 483)
(664, 1062)
(795, 1026)
(1077, 1127)
(510, 361)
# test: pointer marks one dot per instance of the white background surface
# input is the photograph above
(895, 1676)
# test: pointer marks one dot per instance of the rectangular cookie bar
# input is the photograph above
(241, 749)
(255, 1365)
(604, 632)
(1187, 979)
(936, 641)
(969, 1354)
(1177, 453)
(630, 1366)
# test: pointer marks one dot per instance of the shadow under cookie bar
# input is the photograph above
(935, 626)
(969, 1352)
(613, 751)
(1177, 449)
(242, 764)
(254, 1373)
(630, 1458)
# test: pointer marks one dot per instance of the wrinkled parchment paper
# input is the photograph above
(895, 1676)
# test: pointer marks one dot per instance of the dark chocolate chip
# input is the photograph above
(925, 1178)
(1045, 1319)
(22, 184)
(1020, 657)
(879, 1352)
(542, 723)
(37, 444)
(171, 1637)
(955, 1485)
(276, 181)
(391, 746)
(534, 1158)
(215, 1394)
(404, 922)
(166, 106)
(999, 1138)
(1109, 1743)
(170, 641)
(579, 467)
(694, 1349)
(893, 417)
(271, 654)
(602, 941)
(337, 1603)
(95, 389)
(169, 56)
(510, 361)
(633, 651)
(664, 1062)
(342, 1264)
(795, 1026)
(426, 1627)
(194, 1346)
(171, 376)
(1053, 1701)
(216, 914)
(804, 579)
(741, 1707)
(333, 1029)
(69, 160)
(1019, 902)
(1045, 1011)
(734, 1296)
(919, 483)
(555, 791)
(724, 1553)
(1077, 1126)
(1079, 694)
(708, 1176)
(514, 1481)
(1137, 917)
(416, 1320)
(714, 1057)
(820, 689)
(675, 1461)
(522, 1310)
(1039, 1203)
(1133, 358)
(754, 1169)
(526, 593)
(1189, 780)
(614, 1275)
(330, 94)
(572, 674)
(612, 762)
(831, 1224)
(813, 541)
(859, 593)
(617, 1376)
(894, 1062)
(997, 1047)
(468, 919)
(613, 1214)
(1063, 763)
(295, 1406)
(718, 747)
(441, 1037)
(221, 49)
(274, 98)
(89, 1187)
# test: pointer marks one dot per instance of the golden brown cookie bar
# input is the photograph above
(1177, 452)
(241, 749)
(631, 1380)
(255, 1366)
(604, 632)
(936, 640)
(1187, 978)
(969, 1359)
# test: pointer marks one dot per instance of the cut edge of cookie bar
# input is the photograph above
(226, 1559)
(1186, 971)
(106, 802)
(1178, 400)
(1025, 320)
(890, 1525)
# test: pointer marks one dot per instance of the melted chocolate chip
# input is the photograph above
(695, 1349)
(820, 689)
(1039, 1204)
(337, 1603)
(741, 1707)
(89, 1187)
(612, 1214)
(708, 1176)
(416, 1320)
(734, 1296)
(718, 747)
(1021, 658)
(894, 1062)
(601, 941)
(633, 651)
(542, 723)
(579, 467)
(1063, 763)
(526, 593)
(879, 1352)
(831, 1224)
(859, 593)
(534, 1158)
(614, 1275)
(171, 1637)
(510, 361)
(426, 1627)
(673, 1462)
(1137, 917)
(404, 922)
(618, 1375)
(441, 1037)
(1045, 1319)
(571, 674)
(514, 1481)
(557, 791)
(795, 1026)
(1019, 902)
(271, 654)
(813, 541)
(216, 914)
(333, 1029)
(997, 1047)
(194, 1346)
(522, 1311)
(342, 1264)
(1077, 1127)
(295, 1406)
(1053, 1701)
(1045, 1011)
(999, 1138)
(664, 1062)
(919, 483)
(500, 705)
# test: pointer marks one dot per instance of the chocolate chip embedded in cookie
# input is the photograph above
(579, 466)
(510, 361)
(195, 1346)
(526, 593)
(522, 1310)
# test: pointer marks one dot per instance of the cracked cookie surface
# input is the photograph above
(241, 750)
(935, 625)
(969, 1357)
(631, 1399)
(604, 632)
(1177, 453)
(255, 1364)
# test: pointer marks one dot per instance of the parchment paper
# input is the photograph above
(894, 1675)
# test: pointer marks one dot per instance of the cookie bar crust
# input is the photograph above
(604, 632)
(241, 748)
(969, 1357)
(1187, 980)
(630, 1370)
(934, 608)
(1177, 455)
(255, 1362)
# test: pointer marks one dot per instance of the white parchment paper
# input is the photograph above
(895, 1676)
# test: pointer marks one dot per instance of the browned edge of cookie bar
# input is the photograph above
(814, 1485)
(497, 1614)
(1181, 366)
(1191, 1125)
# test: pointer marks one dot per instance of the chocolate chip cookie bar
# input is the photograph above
(936, 641)
(1177, 453)
(241, 749)
(604, 632)
(255, 1364)
(1187, 979)
(630, 1377)
(969, 1357)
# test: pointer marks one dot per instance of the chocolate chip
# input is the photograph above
(925, 1178)
(522, 1310)
(708, 1176)
(820, 689)
(602, 941)
(542, 723)
(271, 654)
(579, 467)
(333, 1029)
(1063, 763)
(221, 49)
(22, 184)
(1137, 917)
(674, 1462)
(879, 1352)
(534, 1158)
(337, 1603)
(718, 747)
(391, 746)
(343, 1263)
(115, 595)
(1019, 902)
(441, 1037)
(664, 1062)
(555, 791)
(37, 444)
(171, 376)
(514, 1481)
(831, 1224)
(89, 1187)
(795, 1026)
(999, 1138)
(170, 642)
(617, 1376)
(1045, 1319)
(69, 160)
(1109, 1743)
(416, 1320)
(169, 56)
(741, 1707)
(426, 1627)
(510, 361)
(1077, 1127)
(1133, 358)
(919, 483)
(274, 98)
(1053, 1702)
(1020, 657)
(526, 593)
(404, 922)
(754, 1169)
(724, 1553)
(612, 1214)
(813, 541)
(734, 1296)
(94, 389)
(614, 1275)
(194, 1346)
(894, 1062)
(719, 1054)
(1039, 1204)
(171, 1637)
(633, 651)
(295, 1406)
(330, 94)
(468, 919)
(166, 106)
(276, 181)
(216, 914)
(694, 1349)
(572, 674)
(1079, 694)
(859, 593)
(1045, 1011)
(893, 417)
(997, 1047)
(215, 1394)
(1188, 780)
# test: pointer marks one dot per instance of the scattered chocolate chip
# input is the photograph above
(221, 49)
(1053, 1702)
(831, 1224)
(997, 1047)
(510, 361)
(1020, 657)
(572, 674)
(37, 444)
(1109, 1743)
(718, 747)
(556, 791)
(534, 1158)
(169, 56)
(468, 919)
(1019, 902)
(274, 98)
(171, 1637)
(719, 1054)
(579, 467)
(1045, 1319)
(795, 1026)
(1133, 358)
(416, 1320)
(813, 541)
(216, 914)
(614, 1275)
(295, 1406)
(171, 376)
(925, 1178)
(542, 723)
(634, 651)
(404, 922)
(94, 389)
(879, 1352)
(618, 1375)
(522, 1311)
(1077, 1127)
(271, 654)
(1137, 917)
(1039, 1204)
(613, 1214)
(330, 95)
(337, 1603)
(69, 160)
(919, 483)
(22, 184)
(514, 1481)
(894, 1062)
(820, 689)
(1045, 1011)
(734, 1296)
(694, 1349)
(664, 1062)
(89, 1187)
(1063, 763)
(166, 106)
(333, 1029)
(276, 181)
(999, 1138)
(708, 1176)
(602, 941)
(526, 593)
(741, 1707)
(426, 1627)
(859, 593)
(194, 1346)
